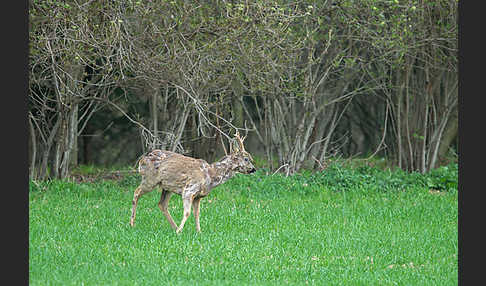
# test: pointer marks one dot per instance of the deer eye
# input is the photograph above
(246, 159)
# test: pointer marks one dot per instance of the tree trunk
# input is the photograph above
(33, 151)
(449, 135)
(180, 128)
(69, 143)
(59, 149)
(155, 116)
(47, 149)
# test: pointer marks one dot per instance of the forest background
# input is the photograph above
(307, 81)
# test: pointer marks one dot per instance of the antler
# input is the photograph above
(241, 147)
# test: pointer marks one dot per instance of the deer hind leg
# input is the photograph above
(163, 206)
(195, 207)
(187, 202)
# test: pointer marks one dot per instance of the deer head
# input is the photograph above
(241, 160)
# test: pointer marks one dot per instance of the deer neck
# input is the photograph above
(220, 172)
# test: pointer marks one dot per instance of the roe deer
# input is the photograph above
(191, 178)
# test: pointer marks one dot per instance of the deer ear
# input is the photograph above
(236, 147)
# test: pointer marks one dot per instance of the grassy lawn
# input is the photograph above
(340, 227)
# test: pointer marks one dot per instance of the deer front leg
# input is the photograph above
(163, 206)
(141, 190)
(136, 196)
(195, 208)
(187, 202)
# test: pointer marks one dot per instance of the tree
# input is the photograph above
(75, 58)
(308, 80)
(415, 44)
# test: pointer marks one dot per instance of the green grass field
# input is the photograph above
(360, 226)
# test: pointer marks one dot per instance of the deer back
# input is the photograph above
(172, 170)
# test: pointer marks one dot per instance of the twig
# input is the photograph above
(280, 168)
(383, 137)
